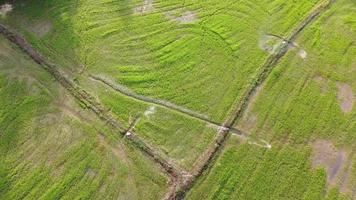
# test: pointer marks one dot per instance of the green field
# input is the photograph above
(299, 108)
(157, 56)
(50, 149)
(277, 78)
(246, 172)
(300, 100)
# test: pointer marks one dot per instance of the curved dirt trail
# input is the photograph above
(211, 154)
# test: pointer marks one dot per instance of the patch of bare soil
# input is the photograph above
(345, 180)
(41, 28)
(345, 97)
(146, 7)
(270, 44)
(326, 155)
(249, 119)
(322, 82)
(187, 17)
(303, 54)
(4, 9)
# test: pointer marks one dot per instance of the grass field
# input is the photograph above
(179, 136)
(305, 110)
(171, 50)
(154, 49)
(246, 172)
(178, 72)
(50, 149)
(301, 99)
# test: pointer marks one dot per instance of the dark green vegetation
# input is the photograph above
(203, 58)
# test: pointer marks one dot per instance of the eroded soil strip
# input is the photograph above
(212, 153)
(86, 99)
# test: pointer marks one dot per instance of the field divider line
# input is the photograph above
(127, 92)
(89, 101)
(213, 152)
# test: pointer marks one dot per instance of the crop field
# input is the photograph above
(171, 50)
(172, 99)
(246, 172)
(305, 111)
(50, 149)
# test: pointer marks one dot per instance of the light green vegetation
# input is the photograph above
(297, 104)
(203, 62)
(179, 136)
(300, 99)
(199, 55)
(246, 172)
(52, 149)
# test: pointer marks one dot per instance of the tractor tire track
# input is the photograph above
(212, 153)
(89, 102)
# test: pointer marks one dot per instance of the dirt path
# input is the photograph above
(211, 154)
(89, 102)
(166, 104)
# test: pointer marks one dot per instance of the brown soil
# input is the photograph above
(345, 97)
(326, 155)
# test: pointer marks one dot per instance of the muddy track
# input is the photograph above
(89, 102)
(212, 153)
